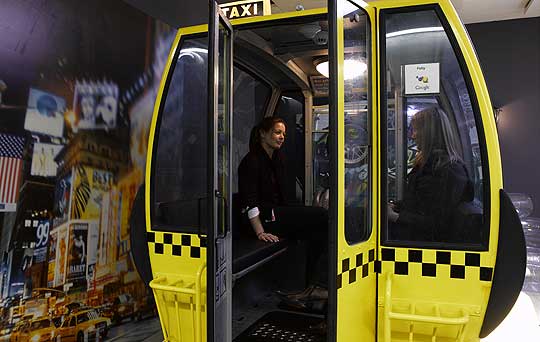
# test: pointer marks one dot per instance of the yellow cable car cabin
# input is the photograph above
(348, 81)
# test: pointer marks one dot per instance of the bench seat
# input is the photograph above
(250, 253)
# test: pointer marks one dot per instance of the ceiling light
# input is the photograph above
(413, 31)
(352, 68)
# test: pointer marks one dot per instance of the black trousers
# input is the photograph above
(309, 224)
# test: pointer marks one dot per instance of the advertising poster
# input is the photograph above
(43, 163)
(89, 186)
(53, 239)
(45, 113)
(105, 237)
(42, 239)
(62, 197)
(95, 105)
(78, 253)
(61, 256)
(91, 259)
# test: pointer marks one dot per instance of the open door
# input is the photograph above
(187, 202)
(353, 218)
(219, 258)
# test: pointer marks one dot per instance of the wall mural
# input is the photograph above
(78, 81)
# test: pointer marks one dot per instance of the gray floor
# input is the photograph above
(243, 318)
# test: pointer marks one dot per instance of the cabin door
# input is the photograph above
(353, 218)
(451, 250)
(219, 262)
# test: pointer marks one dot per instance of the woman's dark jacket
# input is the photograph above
(431, 199)
(261, 182)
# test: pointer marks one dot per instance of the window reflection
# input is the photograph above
(434, 164)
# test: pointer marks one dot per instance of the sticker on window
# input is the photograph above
(421, 78)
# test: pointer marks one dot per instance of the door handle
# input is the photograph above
(225, 214)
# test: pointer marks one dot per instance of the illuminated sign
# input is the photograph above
(45, 113)
(244, 9)
(43, 163)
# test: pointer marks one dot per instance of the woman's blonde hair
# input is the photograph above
(437, 138)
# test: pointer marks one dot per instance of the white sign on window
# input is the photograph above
(422, 78)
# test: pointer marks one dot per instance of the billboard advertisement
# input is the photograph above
(42, 228)
(43, 163)
(62, 198)
(61, 255)
(89, 186)
(95, 105)
(78, 253)
(45, 113)
(53, 239)
(92, 252)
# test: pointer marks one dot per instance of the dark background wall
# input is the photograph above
(509, 52)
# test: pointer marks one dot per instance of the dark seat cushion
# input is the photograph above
(249, 251)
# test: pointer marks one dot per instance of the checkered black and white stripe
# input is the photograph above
(359, 270)
(159, 240)
(444, 260)
(450, 264)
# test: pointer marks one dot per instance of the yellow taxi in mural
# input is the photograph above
(389, 127)
(40, 330)
(85, 325)
(20, 331)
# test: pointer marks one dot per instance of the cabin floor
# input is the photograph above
(282, 326)
(257, 314)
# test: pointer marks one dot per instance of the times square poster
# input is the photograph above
(78, 82)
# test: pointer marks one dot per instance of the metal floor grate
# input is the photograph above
(284, 327)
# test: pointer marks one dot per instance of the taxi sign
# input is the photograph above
(247, 8)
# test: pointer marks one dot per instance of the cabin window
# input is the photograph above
(180, 150)
(180, 163)
(357, 130)
(435, 168)
(250, 98)
(290, 108)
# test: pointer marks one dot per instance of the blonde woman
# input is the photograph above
(436, 186)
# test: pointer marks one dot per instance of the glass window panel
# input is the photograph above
(180, 163)
(356, 33)
(433, 150)
(224, 131)
(290, 108)
(250, 98)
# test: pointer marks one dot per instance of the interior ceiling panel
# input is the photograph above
(181, 13)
